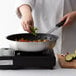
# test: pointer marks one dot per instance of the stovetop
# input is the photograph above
(28, 60)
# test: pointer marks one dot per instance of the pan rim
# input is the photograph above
(7, 37)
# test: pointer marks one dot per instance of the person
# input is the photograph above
(45, 14)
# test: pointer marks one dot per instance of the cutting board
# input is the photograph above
(65, 64)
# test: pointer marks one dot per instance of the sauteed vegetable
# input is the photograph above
(24, 40)
(33, 31)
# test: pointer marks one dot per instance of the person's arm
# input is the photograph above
(70, 18)
(24, 11)
(26, 17)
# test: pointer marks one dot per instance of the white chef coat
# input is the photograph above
(69, 32)
(46, 13)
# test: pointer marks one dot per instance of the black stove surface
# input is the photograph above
(30, 60)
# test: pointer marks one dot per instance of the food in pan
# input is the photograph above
(25, 40)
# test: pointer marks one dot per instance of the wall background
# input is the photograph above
(9, 22)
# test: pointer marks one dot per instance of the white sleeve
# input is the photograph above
(73, 4)
(18, 3)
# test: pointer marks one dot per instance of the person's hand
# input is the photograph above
(70, 18)
(27, 22)
(26, 19)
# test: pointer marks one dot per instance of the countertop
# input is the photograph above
(57, 71)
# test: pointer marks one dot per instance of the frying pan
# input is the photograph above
(33, 46)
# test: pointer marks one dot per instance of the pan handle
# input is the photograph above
(60, 23)
(57, 26)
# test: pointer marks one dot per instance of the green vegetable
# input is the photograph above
(33, 30)
(73, 56)
(68, 58)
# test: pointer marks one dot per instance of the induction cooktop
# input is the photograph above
(28, 60)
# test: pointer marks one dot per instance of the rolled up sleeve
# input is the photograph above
(19, 3)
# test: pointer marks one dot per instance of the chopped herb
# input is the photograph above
(34, 30)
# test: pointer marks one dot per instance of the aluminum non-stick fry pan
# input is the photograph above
(33, 46)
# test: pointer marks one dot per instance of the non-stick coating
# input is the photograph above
(32, 37)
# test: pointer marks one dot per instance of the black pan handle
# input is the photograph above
(60, 23)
